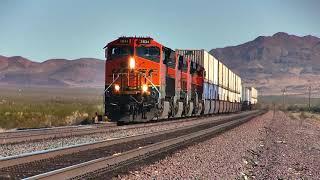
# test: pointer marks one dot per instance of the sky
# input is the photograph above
(45, 29)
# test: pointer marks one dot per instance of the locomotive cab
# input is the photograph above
(135, 72)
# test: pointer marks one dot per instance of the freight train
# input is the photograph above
(145, 80)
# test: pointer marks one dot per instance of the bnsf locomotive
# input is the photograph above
(145, 80)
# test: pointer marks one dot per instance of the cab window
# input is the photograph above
(152, 53)
(119, 51)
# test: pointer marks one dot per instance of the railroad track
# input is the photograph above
(103, 157)
(61, 132)
(46, 133)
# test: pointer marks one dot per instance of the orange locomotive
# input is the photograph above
(145, 81)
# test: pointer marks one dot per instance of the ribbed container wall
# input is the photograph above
(250, 95)
(197, 56)
(211, 72)
(220, 92)
(211, 92)
(205, 91)
(236, 83)
(220, 76)
(243, 95)
(231, 96)
(215, 71)
(246, 94)
(240, 89)
(254, 95)
(206, 66)
(226, 77)
(254, 92)
(224, 92)
(229, 80)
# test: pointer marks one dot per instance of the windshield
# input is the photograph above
(151, 53)
(120, 51)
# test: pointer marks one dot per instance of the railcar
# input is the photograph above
(250, 98)
(145, 80)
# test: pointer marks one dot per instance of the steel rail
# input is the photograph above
(110, 163)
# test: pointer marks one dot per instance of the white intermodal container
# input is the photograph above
(239, 84)
(206, 66)
(250, 95)
(215, 71)
(224, 94)
(229, 79)
(231, 84)
(254, 95)
(211, 68)
(220, 76)
(194, 55)
(240, 94)
(232, 96)
(254, 92)
(200, 56)
(245, 94)
(220, 93)
(226, 76)
(234, 82)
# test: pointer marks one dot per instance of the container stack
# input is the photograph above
(220, 83)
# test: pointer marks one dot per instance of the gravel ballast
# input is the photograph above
(263, 148)
(222, 157)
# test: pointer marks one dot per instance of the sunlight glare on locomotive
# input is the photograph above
(145, 88)
(116, 87)
(132, 63)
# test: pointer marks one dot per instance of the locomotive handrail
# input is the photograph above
(111, 83)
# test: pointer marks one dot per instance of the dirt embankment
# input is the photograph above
(290, 150)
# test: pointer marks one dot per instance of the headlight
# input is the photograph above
(144, 88)
(132, 63)
(116, 87)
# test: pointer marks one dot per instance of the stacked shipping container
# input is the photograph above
(249, 96)
(254, 95)
(222, 87)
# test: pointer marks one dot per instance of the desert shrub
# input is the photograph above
(303, 115)
(47, 107)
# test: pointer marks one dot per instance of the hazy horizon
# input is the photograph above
(41, 30)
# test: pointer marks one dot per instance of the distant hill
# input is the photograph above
(17, 70)
(274, 62)
(270, 63)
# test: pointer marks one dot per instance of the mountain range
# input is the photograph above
(274, 63)
(17, 70)
(270, 63)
